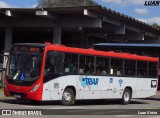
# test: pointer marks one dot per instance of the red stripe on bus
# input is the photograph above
(93, 52)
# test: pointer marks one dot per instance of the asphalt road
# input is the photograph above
(90, 108)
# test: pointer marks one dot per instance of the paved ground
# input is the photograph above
(86, 107)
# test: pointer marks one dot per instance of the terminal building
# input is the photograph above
(71, 26)
(76, 27)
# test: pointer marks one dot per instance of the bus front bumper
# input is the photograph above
(24, 95)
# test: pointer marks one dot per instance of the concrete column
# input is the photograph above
(8, 39)
(57, 34)
(84, 40)
(7, 46)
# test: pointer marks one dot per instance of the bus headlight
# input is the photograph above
(35, 87)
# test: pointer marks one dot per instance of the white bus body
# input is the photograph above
(99, 87)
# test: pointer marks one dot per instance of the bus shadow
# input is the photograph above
(78, 103)
(106, 102)
(154, 99)
(27, 102)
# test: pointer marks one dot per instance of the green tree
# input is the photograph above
(155, 25)
(65, 3)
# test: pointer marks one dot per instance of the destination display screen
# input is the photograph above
(27, 49)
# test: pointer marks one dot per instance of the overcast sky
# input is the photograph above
(133, 8)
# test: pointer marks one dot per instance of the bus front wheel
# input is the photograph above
(68, 97)
(126, 98)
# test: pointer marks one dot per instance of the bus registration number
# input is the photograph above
(17, 96)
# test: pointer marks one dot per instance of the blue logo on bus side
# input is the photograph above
(89, 81)
(120, 82)
(111, 80)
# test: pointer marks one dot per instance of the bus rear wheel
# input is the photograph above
(68, 97)
(126, 98)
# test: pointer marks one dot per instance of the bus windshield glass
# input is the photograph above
(24, 66)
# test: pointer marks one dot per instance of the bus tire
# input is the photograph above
(68, 97)
(126, 97)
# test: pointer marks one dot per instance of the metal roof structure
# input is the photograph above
(98, 23)
(58, 11)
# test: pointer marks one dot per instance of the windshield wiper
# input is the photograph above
(16, 75)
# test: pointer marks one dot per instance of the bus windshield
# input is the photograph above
(24, 66)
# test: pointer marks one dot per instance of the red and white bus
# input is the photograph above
(41, 72)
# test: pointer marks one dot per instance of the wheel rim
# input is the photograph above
(126, 96)
(67, 96)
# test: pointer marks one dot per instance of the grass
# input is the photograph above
(1, 89)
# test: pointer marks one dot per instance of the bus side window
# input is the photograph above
(152, 69)
(49, 64)
(53, 62)
(116, 67)
(86, 64)
(130, 67)
(141, 68)
(102, 65)
(70, 63)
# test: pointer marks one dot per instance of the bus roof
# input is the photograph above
(127, 45)
(63, 48)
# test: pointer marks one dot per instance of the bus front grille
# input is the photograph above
(12, 93)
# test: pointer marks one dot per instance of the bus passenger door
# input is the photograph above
(53, 70)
